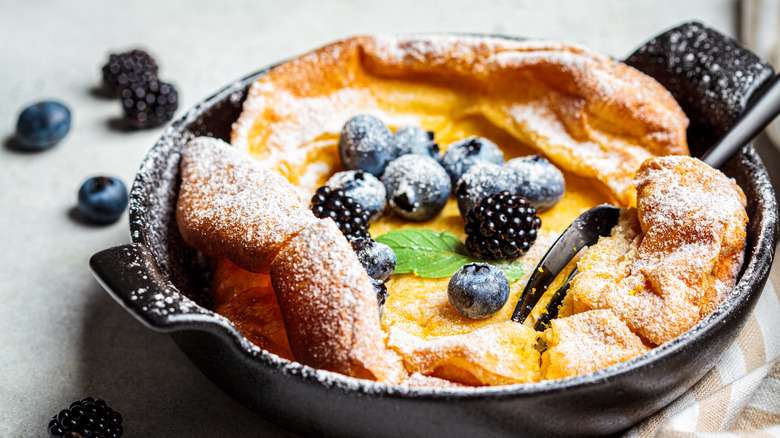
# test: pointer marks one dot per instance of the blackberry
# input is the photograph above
(501, 227)
(86, 418)
(149, 102)
(126, 68)
(351, 218)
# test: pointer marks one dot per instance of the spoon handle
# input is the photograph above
(765, 108)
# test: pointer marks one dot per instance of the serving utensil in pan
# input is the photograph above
(165, 284)
(599, 221)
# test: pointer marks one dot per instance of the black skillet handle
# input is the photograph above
(758, 115)
(711, 76)
(132, 277)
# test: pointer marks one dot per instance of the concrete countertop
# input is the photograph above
(61, 336)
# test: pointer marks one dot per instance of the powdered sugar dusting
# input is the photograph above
(600, 118)
(329, 306)
(498, 354)
(692, 221)
(231, 206)
(586, 342)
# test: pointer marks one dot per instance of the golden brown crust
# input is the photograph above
(664, 280)
(248, 300)
(329, 306)
(592, 116)
(586, 342)
(499, 354)
(230, 206)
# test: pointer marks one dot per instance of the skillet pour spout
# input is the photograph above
(165, 284)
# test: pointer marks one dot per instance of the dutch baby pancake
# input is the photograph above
(293, 284)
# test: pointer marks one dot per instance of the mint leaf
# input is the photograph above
(434, 255)
(513, 270)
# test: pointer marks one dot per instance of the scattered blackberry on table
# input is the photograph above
(102, 199)
(149, 102)
(478, 290)
(42, 125)
(363, 187)
(501, 227)
(367, 144)
(351, 218)
(415, 140)
(87, 417)
(484, 179)
(417, 187)
(126, 68)
(463, 154)
(540, 181)
(377, 258)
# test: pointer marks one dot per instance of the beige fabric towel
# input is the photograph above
(740, 396)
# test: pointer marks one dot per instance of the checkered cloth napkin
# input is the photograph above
(740, 396)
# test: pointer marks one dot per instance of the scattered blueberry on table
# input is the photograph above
(478, 290)
(87, 417)
(42, 125)
(102, 199)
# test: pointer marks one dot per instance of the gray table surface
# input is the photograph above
(61, 336)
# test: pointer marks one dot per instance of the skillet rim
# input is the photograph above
(745, 293)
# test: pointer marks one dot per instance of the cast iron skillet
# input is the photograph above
(164, 283)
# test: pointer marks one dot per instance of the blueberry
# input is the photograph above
(378, 258)
(540, 181)
(381, 294)
(366, 144)
(478, 290)
(42, 125)
(363, 187)
(481, 180)
(102, 199)
(414, 140)
(417, 187)
(463, 154)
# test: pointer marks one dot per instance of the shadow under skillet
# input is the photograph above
(145, 377)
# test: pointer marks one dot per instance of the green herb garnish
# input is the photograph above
(434, 255)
